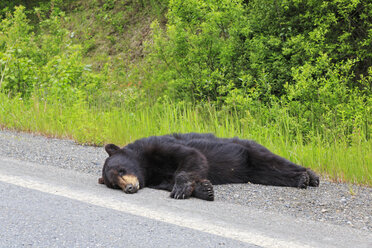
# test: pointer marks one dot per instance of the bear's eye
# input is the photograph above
(122, 172)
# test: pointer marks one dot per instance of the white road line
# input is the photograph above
(172, 218)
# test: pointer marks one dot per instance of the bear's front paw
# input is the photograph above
(204, 190)
(182, 191)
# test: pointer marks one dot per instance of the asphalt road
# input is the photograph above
(46, 206)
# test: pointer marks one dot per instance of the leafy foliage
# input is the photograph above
(47, 63)
(312, 57)
(257, 43)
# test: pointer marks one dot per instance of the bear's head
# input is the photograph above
(121, 170)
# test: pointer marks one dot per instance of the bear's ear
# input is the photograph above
(111, 148)
(101, 180)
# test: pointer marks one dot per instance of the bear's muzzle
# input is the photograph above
(128, 183)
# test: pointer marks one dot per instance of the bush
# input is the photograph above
(311, 57)
(208, 44)
(200, 48)
(47, 64)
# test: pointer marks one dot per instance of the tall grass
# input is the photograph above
(336, 160)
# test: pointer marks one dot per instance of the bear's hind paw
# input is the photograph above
(303, 180)
(314, 178)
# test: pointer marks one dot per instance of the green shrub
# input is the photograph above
(208, 44)
(46, 63)
(16, 51)
(200, 47)
(311, 58)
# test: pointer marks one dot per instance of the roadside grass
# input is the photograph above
(336, 160)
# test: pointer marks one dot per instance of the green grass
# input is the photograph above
(336, 160)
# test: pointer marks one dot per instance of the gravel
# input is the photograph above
(336, 203)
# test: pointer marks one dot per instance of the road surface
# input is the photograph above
(46, 206)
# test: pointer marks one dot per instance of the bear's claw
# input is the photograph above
(182, 191)
(204, 190)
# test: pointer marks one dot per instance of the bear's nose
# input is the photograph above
(130, 189)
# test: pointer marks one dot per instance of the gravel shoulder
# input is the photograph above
(335, 203)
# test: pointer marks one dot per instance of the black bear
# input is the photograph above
(189, 164)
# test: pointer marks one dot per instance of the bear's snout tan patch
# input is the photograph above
(128, 180)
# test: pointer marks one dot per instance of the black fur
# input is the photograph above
(188, 164)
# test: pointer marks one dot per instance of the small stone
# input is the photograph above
(349, 223)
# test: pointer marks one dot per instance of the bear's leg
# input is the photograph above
(203, 190)
(183, 187)
(270, 169)
(278, 178)
(189, 166)
(284, 174)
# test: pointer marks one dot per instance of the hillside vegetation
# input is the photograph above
(294, 75)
